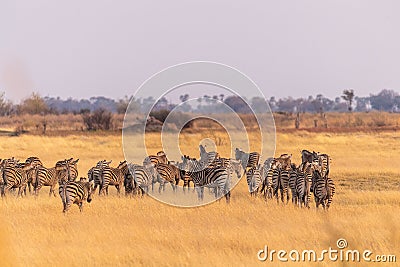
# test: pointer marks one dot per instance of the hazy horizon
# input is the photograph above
(83, 49)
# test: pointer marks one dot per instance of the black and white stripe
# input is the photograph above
(113, 176)
(45, 177)
(61, 170)
(75, 193)
(208, 159)
(217, 178)
(324, 189)
(94, 174)
(142, 178)
(15, 177)
(248, 159)
(255, 180)
(167, 173)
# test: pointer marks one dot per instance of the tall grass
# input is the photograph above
(143, 232)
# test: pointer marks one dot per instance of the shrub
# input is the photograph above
(98, 120)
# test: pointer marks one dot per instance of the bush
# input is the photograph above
(98, 120)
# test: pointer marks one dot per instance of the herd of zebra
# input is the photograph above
(273, 178)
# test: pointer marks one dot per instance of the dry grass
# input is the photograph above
(134, 232)
(336, 122)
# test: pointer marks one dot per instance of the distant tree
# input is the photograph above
(184, 97)
(123, 104)
(35, 104)
(385, 100)
(348, 96)
(6, 106)
(237, 104)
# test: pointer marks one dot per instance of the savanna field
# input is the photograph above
(144, 232)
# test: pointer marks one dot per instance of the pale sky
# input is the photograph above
(289, 48)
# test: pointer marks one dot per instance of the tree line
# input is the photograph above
(386, 100)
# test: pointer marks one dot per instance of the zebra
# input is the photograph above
(323, 160)
(15, 177)
(280, 180)
(234, 166)
(72, 192)
(248, 159)
(255, 179)
(270, 171)
(293, 179)
(167, 173)
(285, 161)
(209, 177)
(185, 178)
(61, 170)
(307, 156)
(31, 173)
(113, 176)
(45, 177)
(324, 189)
(143, 177)
(94, 174)
(207, 158)
(161, 157)
(303, 184)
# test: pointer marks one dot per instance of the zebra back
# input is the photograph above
(75, 192)
(248, 159)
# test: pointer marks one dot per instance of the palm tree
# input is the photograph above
(348, 96)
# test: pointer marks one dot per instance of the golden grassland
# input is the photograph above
(124, 231)
(336, 122)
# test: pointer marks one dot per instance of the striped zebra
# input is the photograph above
(324, 189)
(307, 156)
(255, 179)
(285, 161)
(248, 159)
(161, 157)
(207, 158)
(185, 178)
(31, 173)
(217, 178)
(303, 184)
(293, 183)
(15, 177)
(167, 173)
(270, 170)
(94, 174)
(72, 192)
(232, 165)
(143, 177)
(113, 176)
(323, 160)
(45, 177)
(280, 180)
(61, 170)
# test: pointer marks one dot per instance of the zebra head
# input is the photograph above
(88, 188)
(190, 164)
(237, 167)
(238, 154)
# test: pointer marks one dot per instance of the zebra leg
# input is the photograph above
(228, 197)
(202, 192)
(67, 205)
(80, 206)
(94, 188)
